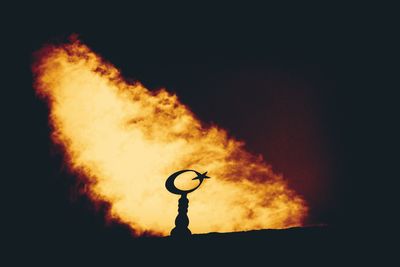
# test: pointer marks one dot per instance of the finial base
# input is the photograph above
(182, 220)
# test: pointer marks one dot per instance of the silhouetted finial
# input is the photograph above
(182, 220)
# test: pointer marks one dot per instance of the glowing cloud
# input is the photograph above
(127, 140)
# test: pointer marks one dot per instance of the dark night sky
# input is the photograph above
(290, 87)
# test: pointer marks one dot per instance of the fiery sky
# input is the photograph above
(126, 140)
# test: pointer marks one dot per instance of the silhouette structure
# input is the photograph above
(182, 220)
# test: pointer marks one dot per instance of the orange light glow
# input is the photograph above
(126, 140)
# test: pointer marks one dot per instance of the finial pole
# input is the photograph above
(182, 220)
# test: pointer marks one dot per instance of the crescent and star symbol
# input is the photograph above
(169, 184)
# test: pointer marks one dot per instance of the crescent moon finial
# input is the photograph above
(182, 220)
(170, 183)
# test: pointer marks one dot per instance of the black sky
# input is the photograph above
(293, 87)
